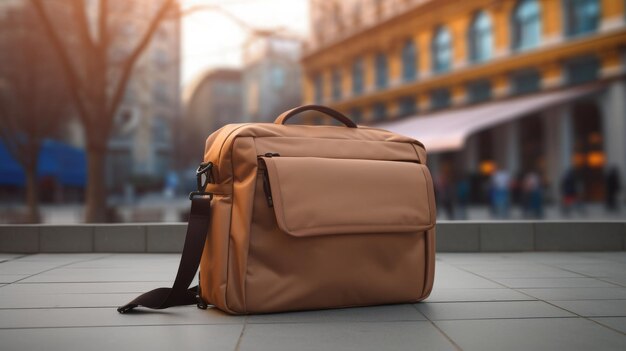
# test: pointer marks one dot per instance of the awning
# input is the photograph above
(63, 162)
(448, 130)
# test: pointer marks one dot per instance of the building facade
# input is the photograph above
(142, 142)
(416, 65)
(271, 75)
(211, 101)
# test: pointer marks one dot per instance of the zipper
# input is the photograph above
(266, 178)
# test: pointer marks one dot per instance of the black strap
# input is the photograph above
(180, 293)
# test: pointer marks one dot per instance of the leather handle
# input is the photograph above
(319, 108)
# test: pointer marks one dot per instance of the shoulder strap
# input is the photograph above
(180, 293)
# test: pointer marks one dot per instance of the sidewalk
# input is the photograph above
(514, 301)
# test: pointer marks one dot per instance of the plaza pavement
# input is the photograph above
(481, 301)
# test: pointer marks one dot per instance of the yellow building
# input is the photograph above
(521, 85)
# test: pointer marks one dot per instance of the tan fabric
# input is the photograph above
(351, 220)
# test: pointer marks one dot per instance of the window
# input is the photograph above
(441, 51)
(525, 82)
(278, 77)
(336, 83)
(379, 111)
(479, 91)
(160, 128)
(582, 70)
(480, 38)
(526, 25)
(381, 71)
(357, 76)
(581, 16)
(319, 89)
(406, 106)
(409, 62)
(439, 99)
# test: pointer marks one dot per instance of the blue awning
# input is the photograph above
(63, 162)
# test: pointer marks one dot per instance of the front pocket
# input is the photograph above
(320, 196)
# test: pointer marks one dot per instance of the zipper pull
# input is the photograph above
(271, 154)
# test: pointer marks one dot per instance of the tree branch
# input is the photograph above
(128, 66)
(80, 14)
(70, 72)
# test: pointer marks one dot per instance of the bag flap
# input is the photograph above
(321, 196)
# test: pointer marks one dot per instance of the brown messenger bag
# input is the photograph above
(299, 217)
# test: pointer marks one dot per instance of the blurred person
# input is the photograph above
(612, 188)
(532, 195)
(445, 193)
(462, 197)
(171, 184)
(500, 194)
(572, 190)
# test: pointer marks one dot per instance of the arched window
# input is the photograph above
(526, 25)
(480, 38)
(441, 50)
(409, 61)
(357, 76)
(381, 70)
(582, 16)
(336, 83)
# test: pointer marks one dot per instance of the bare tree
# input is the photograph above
(33, 97)
(97, 62)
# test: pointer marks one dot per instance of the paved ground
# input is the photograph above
(527, 301)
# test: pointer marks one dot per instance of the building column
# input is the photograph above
(470, 155)
(559, 143)
(507, 147)
(614, 125)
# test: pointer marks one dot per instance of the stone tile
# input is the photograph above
(170, 337)
(458, 237)
(456, 278)
(389, 313)
(19, 238)
(70, 238)
(538, 272)
(60, 258)
(8, 257)
(532, 334)
(103, 317)
(579, 236)
(488, 310)
(595, 308)
(344, 336)
(617, 323)
(25, 267)
(467, 295)
(11, 278)
(81, 288)
(597, 269)
(577, 293)
(119, 238)
(501, 237)
(518, 283)
(617, 280)
(34, 300)
(69, 275)
(165, 238)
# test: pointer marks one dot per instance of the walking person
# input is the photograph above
(533, 195)
(500, 183)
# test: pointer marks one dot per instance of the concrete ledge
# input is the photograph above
(452, 236)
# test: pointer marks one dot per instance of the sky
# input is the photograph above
(211, 39)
